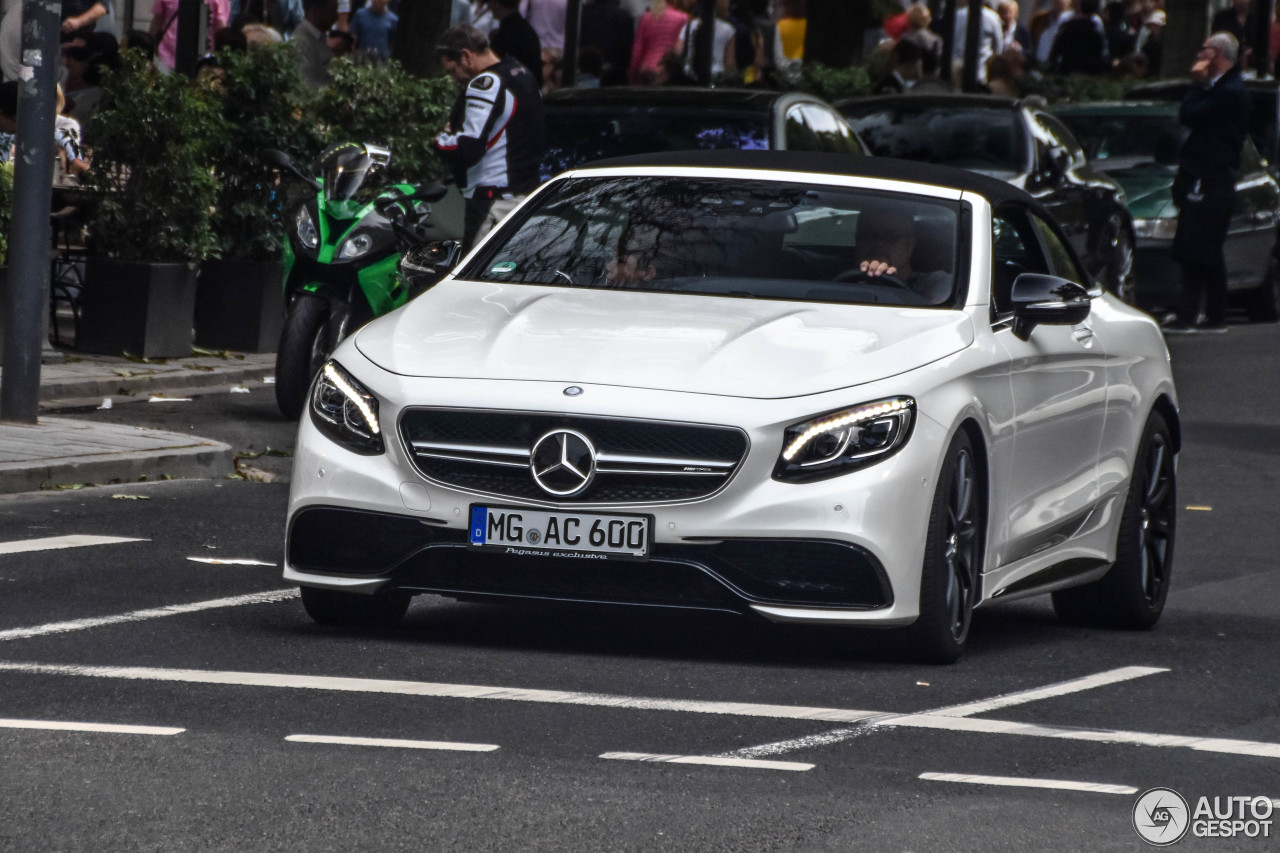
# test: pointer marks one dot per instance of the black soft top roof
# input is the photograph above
(810, 162)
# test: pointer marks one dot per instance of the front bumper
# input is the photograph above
(846, 550)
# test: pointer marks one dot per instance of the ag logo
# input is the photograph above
(1161, 816)
(483, 82)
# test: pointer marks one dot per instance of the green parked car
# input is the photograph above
(1137, 144)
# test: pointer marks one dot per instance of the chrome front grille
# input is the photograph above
(635, 461)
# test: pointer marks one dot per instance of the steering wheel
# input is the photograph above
(856, 274)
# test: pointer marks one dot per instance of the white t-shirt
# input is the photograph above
(990, 39)
(724, 32)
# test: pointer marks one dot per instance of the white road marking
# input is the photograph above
(53, 543)
(1062, 688)
(394, 742)
(110, 728)
(229, 561)
(141, 615)
(1005, 727)
(449, 691)
(714, 761)
(1015, 782)
(1075, 685)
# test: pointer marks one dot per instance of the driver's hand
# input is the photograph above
(877, 268)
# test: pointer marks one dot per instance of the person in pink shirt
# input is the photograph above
(657, 33)
(164, 27)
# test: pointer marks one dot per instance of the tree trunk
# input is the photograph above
(421, 24)
(835, 32)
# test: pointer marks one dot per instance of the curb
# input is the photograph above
(161, 380)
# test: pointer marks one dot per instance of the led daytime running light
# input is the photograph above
(342, 385)
(864, 413)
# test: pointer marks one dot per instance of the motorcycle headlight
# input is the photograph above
(835, 443)
(355, 246)
(343, 410)
(1156, 229)
(306, 228)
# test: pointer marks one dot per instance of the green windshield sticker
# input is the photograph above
(504, 267)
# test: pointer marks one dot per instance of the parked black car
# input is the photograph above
(591, 124)
(1264, 111)
(1020, 142)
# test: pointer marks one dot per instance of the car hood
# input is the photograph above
(666, 341)
(1148, 187)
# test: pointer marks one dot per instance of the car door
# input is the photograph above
(1253, 221)
(1058, 382)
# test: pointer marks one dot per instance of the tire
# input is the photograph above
(1132, 594)
(1263, 303)
(1118, 245)
(302, 351)
(954, 549)
(332, 607)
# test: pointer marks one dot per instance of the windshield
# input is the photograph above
(723, 237)
(981, 139)
(343, 168)
(1128, 139)
(576, 138)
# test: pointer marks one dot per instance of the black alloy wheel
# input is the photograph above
(1132, 594)
(953, 558)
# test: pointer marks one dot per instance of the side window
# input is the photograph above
(1061, 263)
(831, 131)
(1014, 250)
(1062, 137)
(800, 136)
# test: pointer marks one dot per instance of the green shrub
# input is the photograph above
(6, 208)
(1076, 88)
(385, 105)
(153, 190)
(832, 84)
(263, 103)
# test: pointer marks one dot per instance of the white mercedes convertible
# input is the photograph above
(804, 388)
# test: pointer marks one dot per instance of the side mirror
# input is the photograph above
(280, 160)
(423, 267)
(1046, 300)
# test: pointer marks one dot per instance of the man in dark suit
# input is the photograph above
(1216, 110)
(1016, 35)
(1239, 20)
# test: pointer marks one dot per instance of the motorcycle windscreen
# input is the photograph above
(344, 169)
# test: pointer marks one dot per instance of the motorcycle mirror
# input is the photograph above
(424, 266)
(274, 157)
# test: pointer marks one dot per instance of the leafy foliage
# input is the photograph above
(1076, 88)
(6, 208)
(832, 84)
(384, 105)
(263, 103)
(154, 190)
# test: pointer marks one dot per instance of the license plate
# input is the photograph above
(569, 534)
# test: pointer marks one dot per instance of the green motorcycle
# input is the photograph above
(340, 258)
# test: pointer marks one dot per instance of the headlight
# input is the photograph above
(835, 443)
(343, 410)
(307, 228)
(1155, 229)
(355, 246)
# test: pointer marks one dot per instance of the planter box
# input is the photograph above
(240, 305)
(140, 308)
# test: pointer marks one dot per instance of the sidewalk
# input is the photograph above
(62, 451)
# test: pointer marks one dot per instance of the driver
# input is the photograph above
(632, 261)
(886, 242)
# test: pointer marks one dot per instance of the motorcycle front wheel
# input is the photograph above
(302, 351)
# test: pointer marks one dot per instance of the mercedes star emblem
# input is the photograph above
(563, 462)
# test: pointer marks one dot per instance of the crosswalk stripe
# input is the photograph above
(1018, 782)
(708, 760)
(393, 742)
(109, 728)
